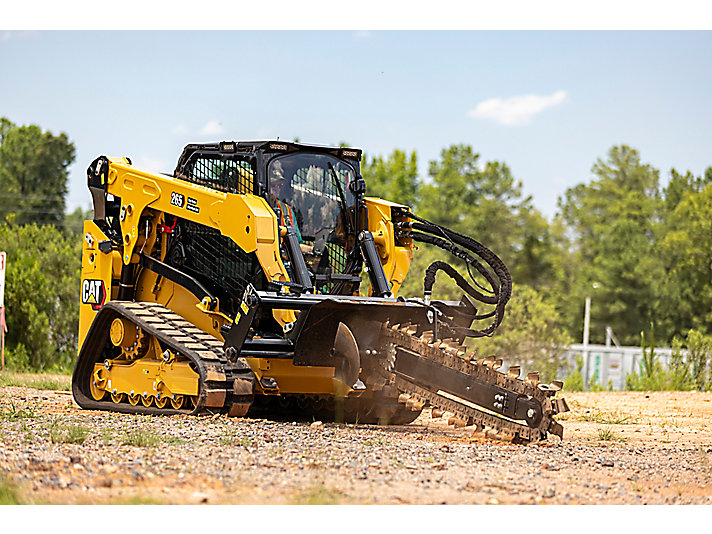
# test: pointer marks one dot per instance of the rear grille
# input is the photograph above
(215, 260)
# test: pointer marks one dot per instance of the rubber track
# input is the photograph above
(450, 354)
(223, 384)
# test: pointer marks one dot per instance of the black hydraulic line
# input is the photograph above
(436, 266)
(470, 260)
(498, 301)
(502, 290)
(450, 245)
(467, 242)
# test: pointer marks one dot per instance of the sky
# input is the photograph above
(546, 103)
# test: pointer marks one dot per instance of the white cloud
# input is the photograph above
(212, 128)
(517, 109)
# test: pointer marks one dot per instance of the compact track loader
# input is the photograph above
(259, 278)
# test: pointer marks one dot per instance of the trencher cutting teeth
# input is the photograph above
(448, 357)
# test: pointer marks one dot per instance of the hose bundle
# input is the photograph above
(467, 249)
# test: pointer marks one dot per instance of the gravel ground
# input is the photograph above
(619, 448)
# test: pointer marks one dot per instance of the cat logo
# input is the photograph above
(94, 293)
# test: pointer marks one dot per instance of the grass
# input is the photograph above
(604, 417)
(318, 495)
(227, 440)
(68, 434)
(61, 383)
(246, 442)
(140, 438)
(10, 492)
(173, 440)
(13, 413)
(607, 434)
(106, 435)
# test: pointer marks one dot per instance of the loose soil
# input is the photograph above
(618, 448)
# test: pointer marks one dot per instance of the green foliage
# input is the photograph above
(685, 249)
(33, 173)
(651, 375)
(41, 296)
(532, 337)
(573, 381)
(484, 201)
(35, 381)
(604, 417)
(10, 493)
(140, 438)
(681, 374)
(318, 495)
(14, 413)
(700, 357)
(608, 434)
(680, 378)
(74, 222)
(68, 434)
(394, 178)
(649, 358)
(612, 223)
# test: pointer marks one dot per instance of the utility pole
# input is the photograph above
(586, 325)
(586, 320)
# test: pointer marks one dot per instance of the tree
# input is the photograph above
(685, 251)
(484, 201)
(33, 173)
(532, 338)
(41, 296)
(612, 224)
(394, 178)
(679, 185)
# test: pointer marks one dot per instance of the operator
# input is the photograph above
(277, 182)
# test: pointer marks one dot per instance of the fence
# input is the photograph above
(604, 364)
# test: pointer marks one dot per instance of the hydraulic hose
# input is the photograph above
(497, 276)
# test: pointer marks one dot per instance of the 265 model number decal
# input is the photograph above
(189, 203)
(178, 200)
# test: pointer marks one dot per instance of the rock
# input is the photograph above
(549, 493)
(200, 497)
(318, 425)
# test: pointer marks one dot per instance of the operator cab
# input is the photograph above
(309, 187)
(310, 192)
